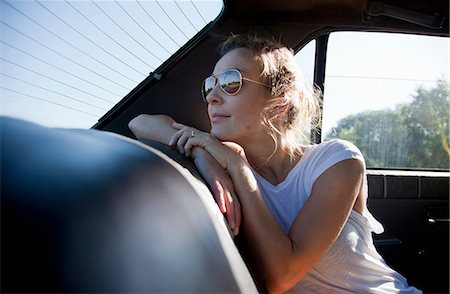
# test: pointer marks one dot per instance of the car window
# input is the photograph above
(388, 94)
(305, 61)
(66, 63)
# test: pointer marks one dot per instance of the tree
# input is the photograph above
(413, 135)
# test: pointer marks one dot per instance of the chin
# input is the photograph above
(221, 135)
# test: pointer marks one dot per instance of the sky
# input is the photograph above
(66, 63)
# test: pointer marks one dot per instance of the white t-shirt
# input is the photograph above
(352, 264)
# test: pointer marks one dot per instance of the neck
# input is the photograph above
(273, 164)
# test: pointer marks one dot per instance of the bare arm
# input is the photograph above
(285, 259)
(221, 186)
(156, 127)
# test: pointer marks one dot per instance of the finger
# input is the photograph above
(175, 138)
(237, 216)
(219, 195)
(216, 190)
(178, 126)
(230, 210)
(189, 145)
(182, 140)
(196, 138)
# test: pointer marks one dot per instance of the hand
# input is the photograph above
(236, 148)
(182, 135)
(221, 187)
(187, 138)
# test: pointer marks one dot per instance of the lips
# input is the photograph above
(218, 116)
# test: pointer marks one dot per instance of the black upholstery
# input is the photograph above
(91, 211)
(404, 202)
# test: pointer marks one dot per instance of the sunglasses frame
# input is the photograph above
(217, 80)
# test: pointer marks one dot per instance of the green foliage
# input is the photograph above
(413, 135)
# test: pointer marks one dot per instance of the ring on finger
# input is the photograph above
(192, 134)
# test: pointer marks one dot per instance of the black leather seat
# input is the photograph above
(91, 211)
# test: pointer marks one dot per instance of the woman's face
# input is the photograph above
(238, 117)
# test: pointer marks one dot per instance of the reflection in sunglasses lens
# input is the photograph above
(230, 81)
(208, 85)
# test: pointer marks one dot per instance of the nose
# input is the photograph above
(214, 97)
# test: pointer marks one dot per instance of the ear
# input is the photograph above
(280, 109)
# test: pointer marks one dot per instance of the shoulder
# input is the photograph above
(336, 149)
(321, 157)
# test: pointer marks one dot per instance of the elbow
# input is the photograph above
(134, 122)
(134, 125)
(280, 283)
(274, 288)
(133, 128)
(277, 286)
(131, 124)
(285, 277)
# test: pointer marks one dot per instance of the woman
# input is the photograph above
(303, 207)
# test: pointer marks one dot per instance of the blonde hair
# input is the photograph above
(289, 93)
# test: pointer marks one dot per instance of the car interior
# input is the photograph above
(96, 210)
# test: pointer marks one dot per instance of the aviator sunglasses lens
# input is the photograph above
(208, 86)
(230, 81)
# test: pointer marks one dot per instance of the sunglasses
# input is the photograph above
(230, 82)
